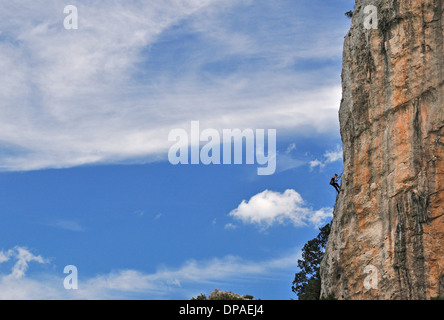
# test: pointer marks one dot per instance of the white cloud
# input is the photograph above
(329, 157)
(73, 97)
(333, 156)
(316, 163)
(132, 284)
(268, 208)
(68, 225)
(230, 226)
(23, 257)
(157, 216)
(290, 148)
(5, 256)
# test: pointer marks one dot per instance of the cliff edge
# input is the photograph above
(387, 236)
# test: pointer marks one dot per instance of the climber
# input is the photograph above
(334, 182)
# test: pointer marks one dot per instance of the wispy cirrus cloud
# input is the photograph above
(330, 156)
(113, 89)
(69, 225)
(181, 282)
(22, 257)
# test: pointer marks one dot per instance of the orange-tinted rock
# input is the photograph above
(390, 214)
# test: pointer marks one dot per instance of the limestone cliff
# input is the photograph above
(390, 213)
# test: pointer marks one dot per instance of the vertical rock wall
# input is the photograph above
(387, 238)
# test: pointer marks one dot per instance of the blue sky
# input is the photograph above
(84, 122)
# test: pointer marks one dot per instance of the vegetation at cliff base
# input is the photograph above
(307, 282)
(223, 295)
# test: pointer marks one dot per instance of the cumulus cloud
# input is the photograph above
(268, 208)
(111, 91)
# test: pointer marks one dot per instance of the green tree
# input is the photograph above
(349, 14)
(200, 297)
(307, 282)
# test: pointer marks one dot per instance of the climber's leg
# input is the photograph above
(336, 187)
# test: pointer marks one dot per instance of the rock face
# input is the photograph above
(387, 237)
